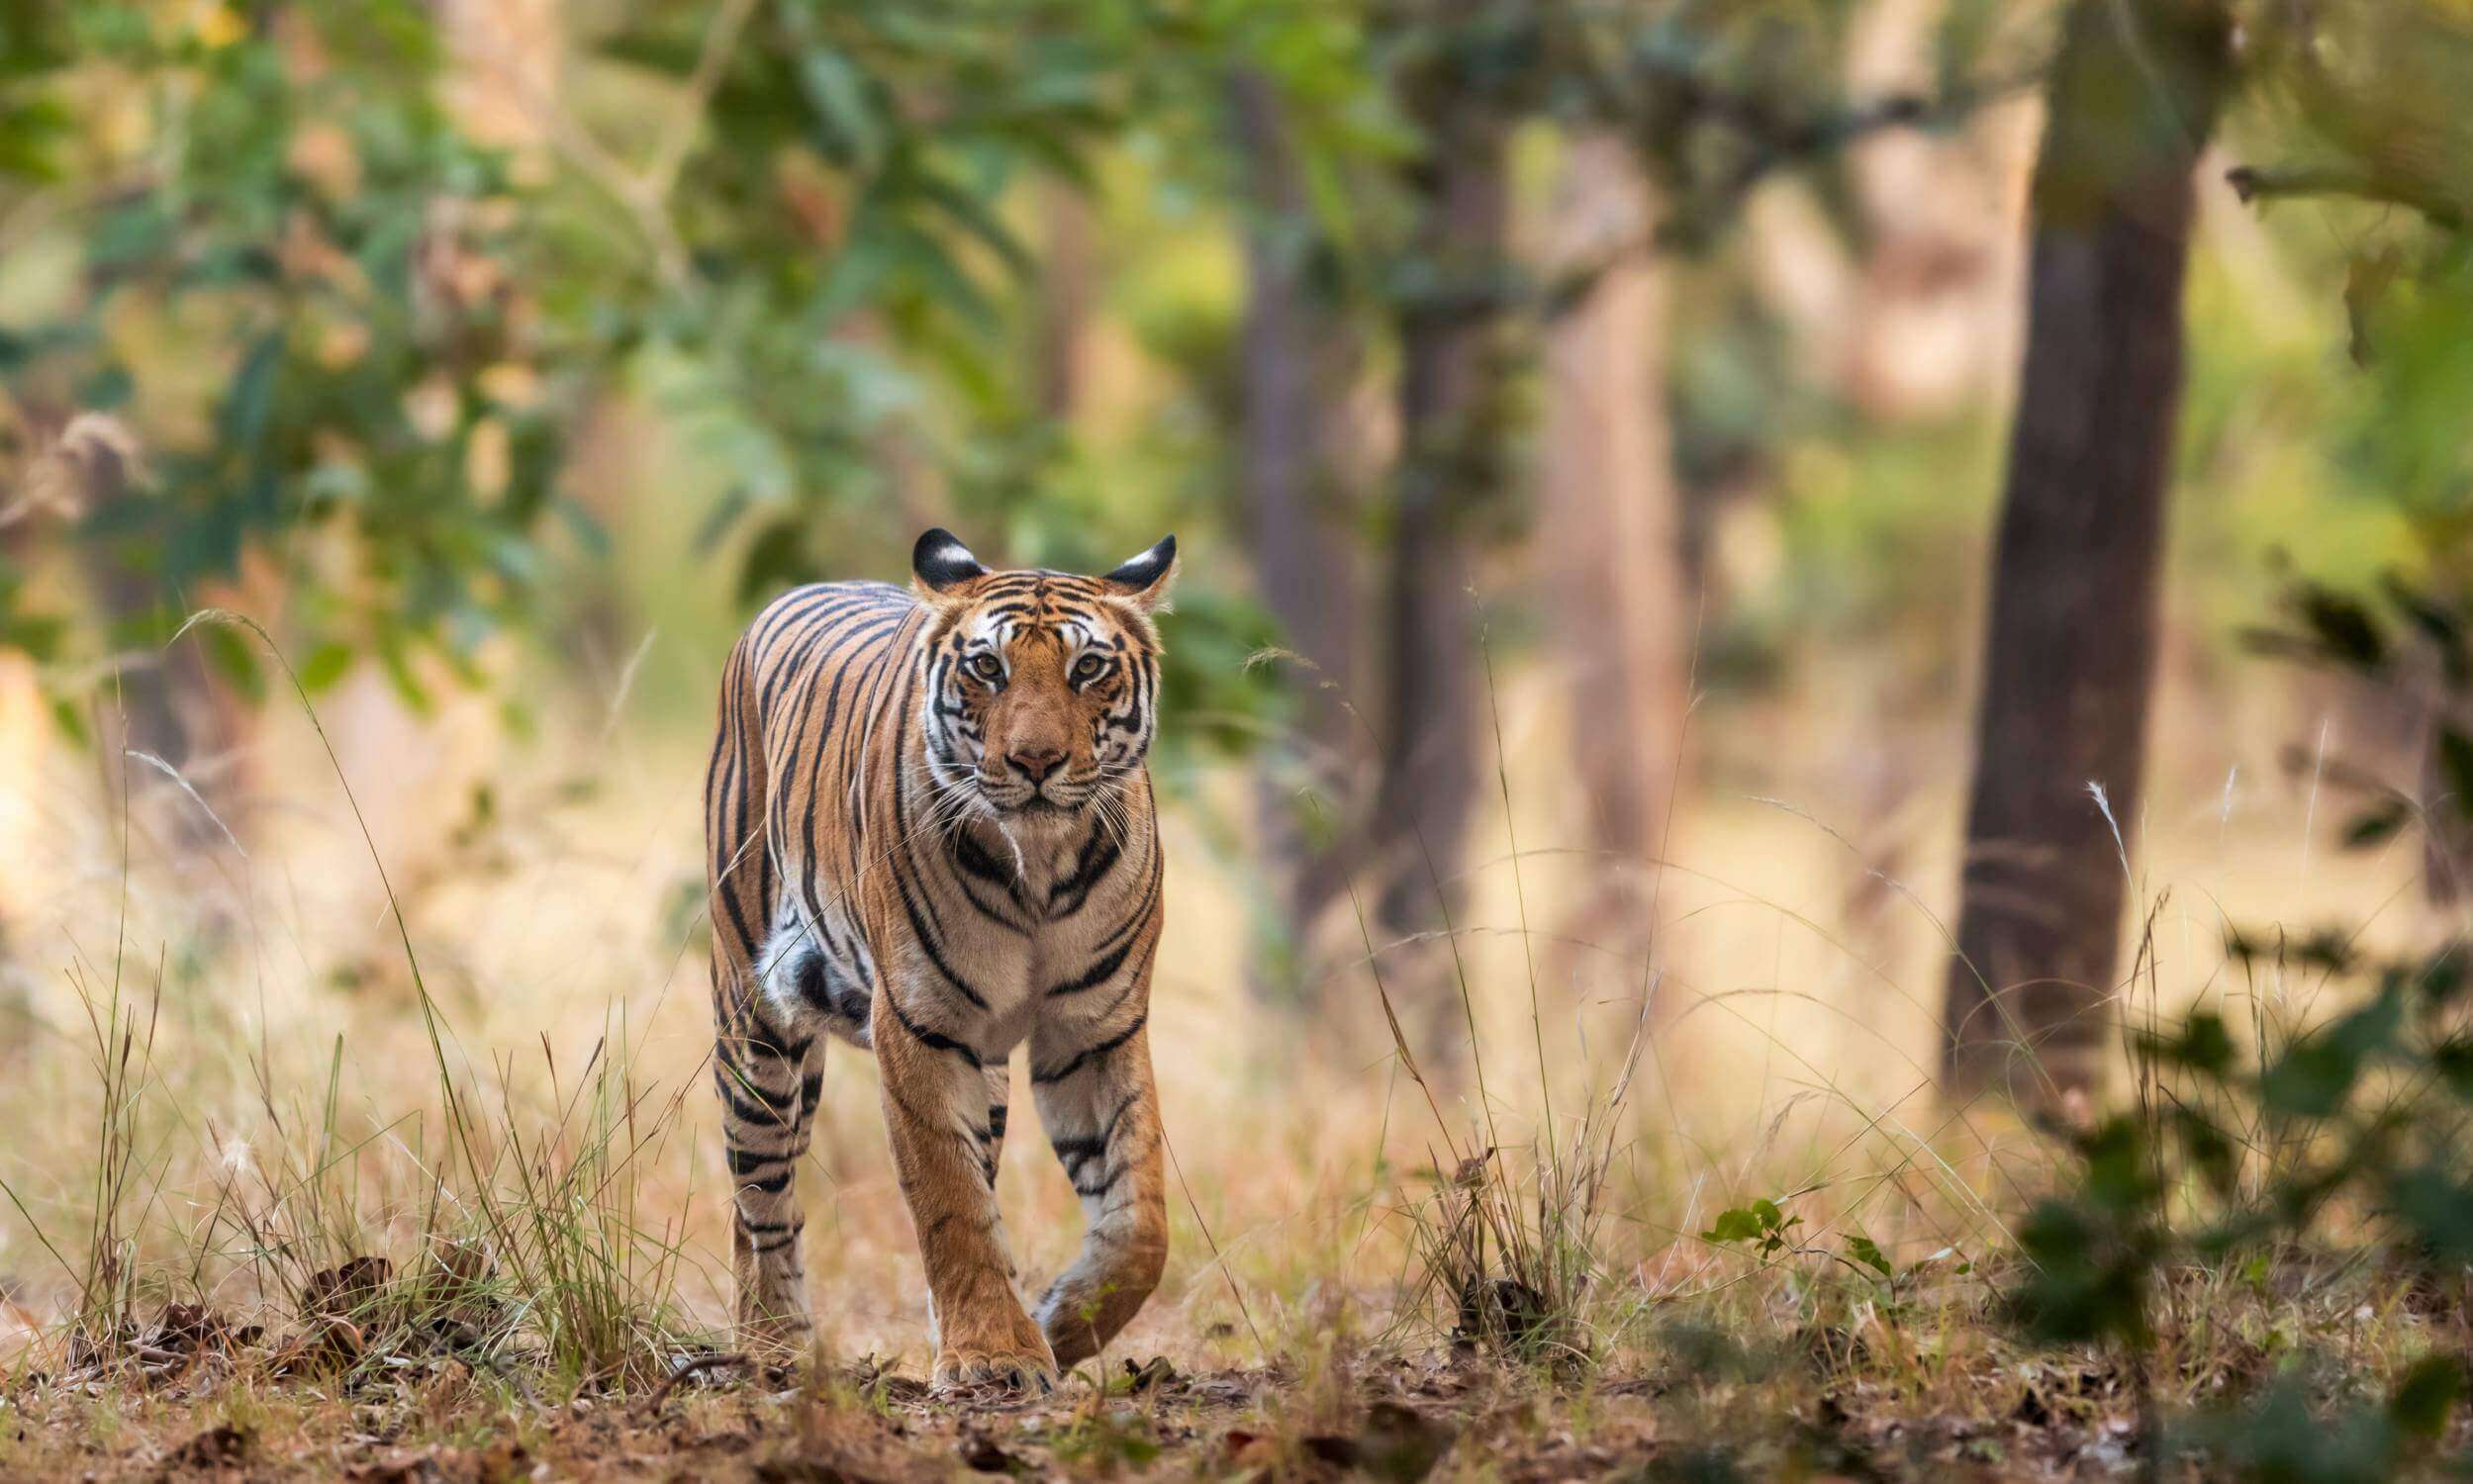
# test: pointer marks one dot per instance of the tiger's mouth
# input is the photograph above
(1038, 803)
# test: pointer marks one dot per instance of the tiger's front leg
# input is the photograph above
(938, 1107)
(1101, 1108)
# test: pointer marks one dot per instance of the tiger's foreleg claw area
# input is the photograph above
(994, 1376)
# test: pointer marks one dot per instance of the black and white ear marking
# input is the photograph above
(1145, 578)
(940, 561)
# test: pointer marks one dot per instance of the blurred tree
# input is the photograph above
(1611, 529)
(1450, 303)
(1301, 358)
(1067, 288)
(2071, 640)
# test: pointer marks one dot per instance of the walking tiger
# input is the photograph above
(931, 834)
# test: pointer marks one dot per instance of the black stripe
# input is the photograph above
(933, 1040)
(1090, 1053)
(1099, 856)
(726, 1052)
(1074, 1150)
(749, 1110)
(902, 879)
(1097, 973)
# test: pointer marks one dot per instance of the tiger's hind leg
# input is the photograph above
(761, 1063)
(769, 1080)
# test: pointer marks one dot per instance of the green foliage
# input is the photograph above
(2286, 1436)
(346, 255)
(1761, 1226)
(2410, 640)
(2236, 1154)
(2243, 1147)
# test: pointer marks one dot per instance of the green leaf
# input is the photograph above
(2440, 977)
(1868, 1252)
(2203, 1045)
(1737, 1225)
(2210, 1151)
(2453, 1060)
(2436, 1208)
(2343, 626)
(2318, 1074)
(324, 666)
(2441, 625)
(2426, 1395)
(2376, 826)
(851, 134)
(2455, 760)
(776, 559)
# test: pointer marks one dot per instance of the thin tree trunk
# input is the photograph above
(2070, 642)
(1299, 360)
(1068, 291)
(168, 708)
(1451, 413)
(1612, 535)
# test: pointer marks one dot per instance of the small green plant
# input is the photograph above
(1761, 1226)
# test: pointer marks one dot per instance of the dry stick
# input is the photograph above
(697, 1366)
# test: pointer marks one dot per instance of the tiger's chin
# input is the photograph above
(1039, 809)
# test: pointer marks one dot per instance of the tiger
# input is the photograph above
(931, 834)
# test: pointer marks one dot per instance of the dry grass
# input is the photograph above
(483, 1068)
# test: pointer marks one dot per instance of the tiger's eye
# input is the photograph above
(1089, 667)
(985, 666)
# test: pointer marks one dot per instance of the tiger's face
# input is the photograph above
(1041, 689)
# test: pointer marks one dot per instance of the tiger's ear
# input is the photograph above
(1145, 579)
(940, 563)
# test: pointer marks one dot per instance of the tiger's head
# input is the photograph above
(1041, 689)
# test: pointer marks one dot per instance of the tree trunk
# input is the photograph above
(1611, 530)
(1299, 361)
(169, 709)
(1068, 293)
(1451, 413)
(2070, 642)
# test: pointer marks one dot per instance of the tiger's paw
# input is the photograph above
(995, 1376)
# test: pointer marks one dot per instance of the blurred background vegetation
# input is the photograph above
(1651, 366)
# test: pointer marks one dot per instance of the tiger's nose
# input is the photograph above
(1035, 763)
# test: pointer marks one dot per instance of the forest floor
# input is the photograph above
(1781, 1372)
(1363, 1416)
